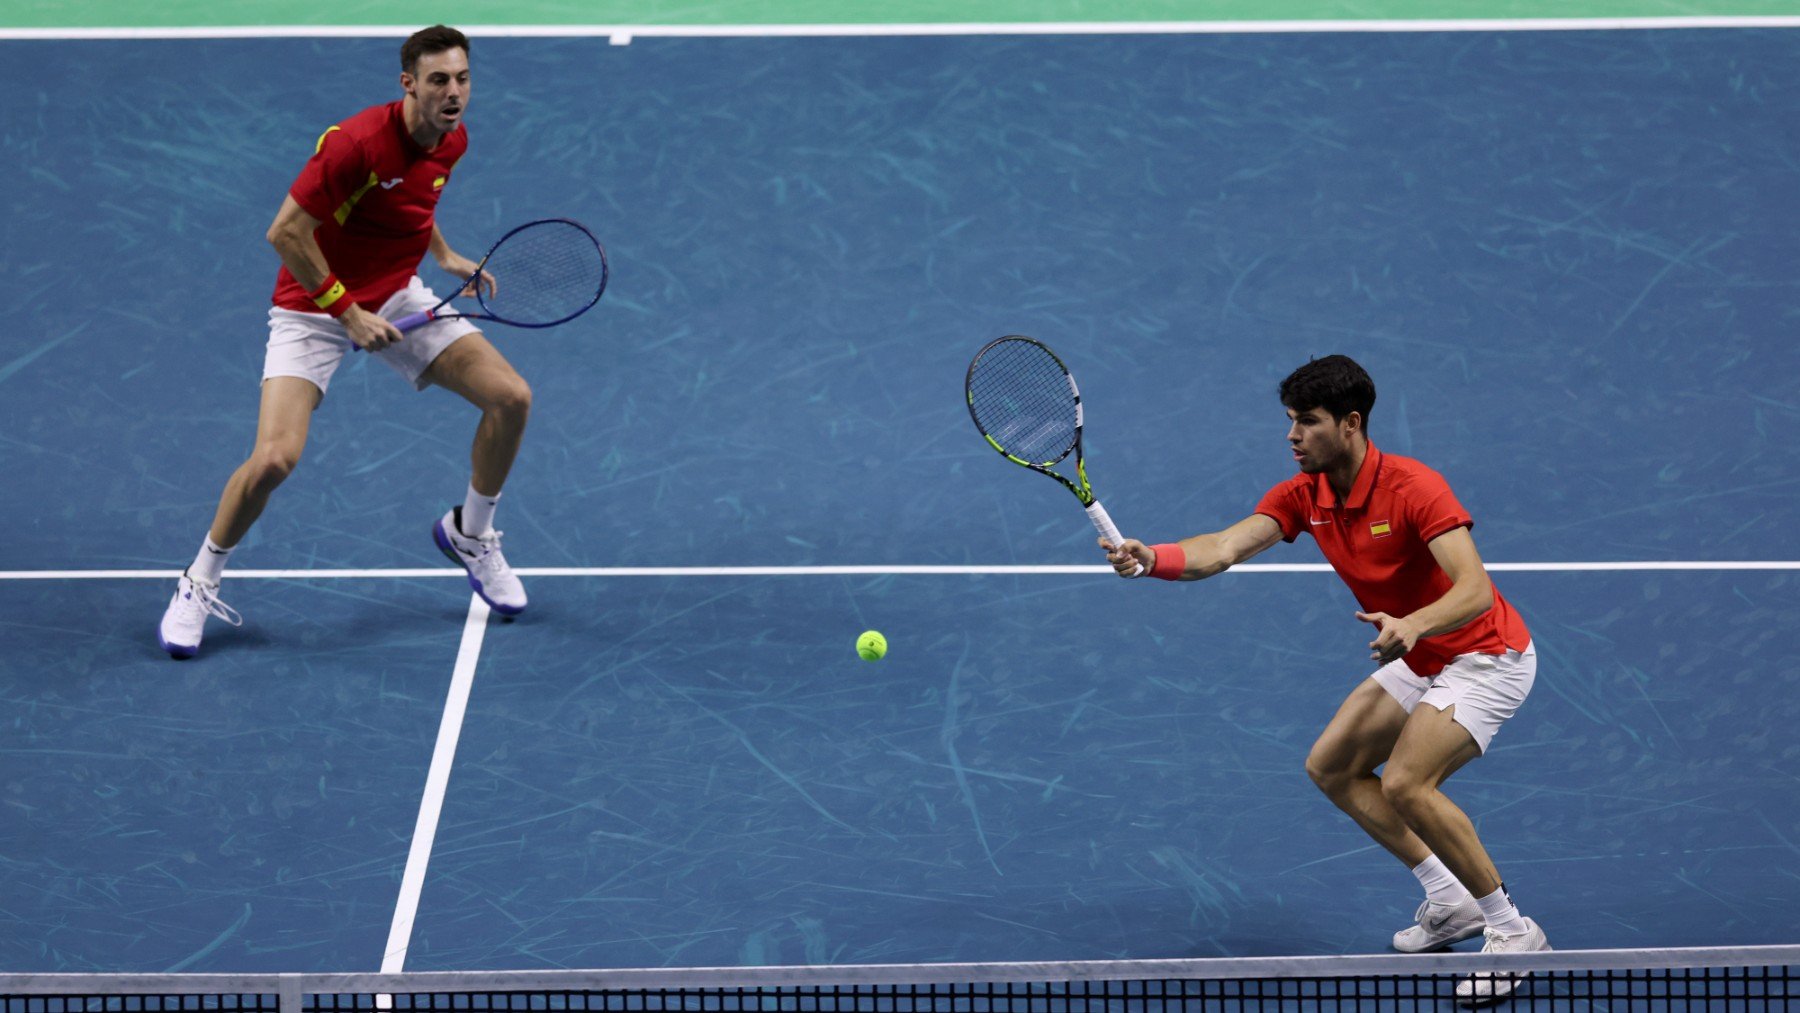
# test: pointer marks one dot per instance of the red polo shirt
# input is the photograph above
(374, 192)
(1378, 542)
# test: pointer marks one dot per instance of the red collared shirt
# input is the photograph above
(1378, 541)
(374, 192)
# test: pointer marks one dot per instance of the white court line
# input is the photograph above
(436, 781)
(622, 34)
(872, 570)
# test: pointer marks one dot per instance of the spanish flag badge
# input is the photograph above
(1380, 529)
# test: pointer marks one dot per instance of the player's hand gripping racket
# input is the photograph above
(544, 273)
(1025, 402)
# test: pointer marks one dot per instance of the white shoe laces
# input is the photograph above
(490, 560)
(205, 600)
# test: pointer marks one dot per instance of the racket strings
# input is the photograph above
(544, 274)
(1022, 399)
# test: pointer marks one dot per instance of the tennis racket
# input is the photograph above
(1025, 403)
(546, 272)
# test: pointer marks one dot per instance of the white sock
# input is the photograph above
(478, 513)
(1501, 916)
(1441, 886)
(209, 565)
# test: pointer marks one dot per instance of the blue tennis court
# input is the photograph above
(1562, 255)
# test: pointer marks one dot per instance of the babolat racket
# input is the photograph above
(545, 273)
(1025, 402)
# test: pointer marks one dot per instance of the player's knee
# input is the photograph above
(1403, 788)
(513, 400)
(1328, 775)
(271, 464)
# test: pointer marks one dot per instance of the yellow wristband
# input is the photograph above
(330, 296)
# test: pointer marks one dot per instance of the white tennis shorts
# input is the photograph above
(1485, 688)
(312, 345)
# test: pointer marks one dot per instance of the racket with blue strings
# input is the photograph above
(1025, 403)
(542, 273)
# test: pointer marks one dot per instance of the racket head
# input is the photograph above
(1024, 401)
(545, 272)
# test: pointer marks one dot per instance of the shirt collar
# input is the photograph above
(1360, 489)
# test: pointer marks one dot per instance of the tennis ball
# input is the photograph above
(871, 645)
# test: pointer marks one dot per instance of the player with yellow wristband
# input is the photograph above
(351, 234)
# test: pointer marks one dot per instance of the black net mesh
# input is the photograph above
(1727, 980)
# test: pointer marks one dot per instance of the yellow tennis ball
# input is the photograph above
(871, 645)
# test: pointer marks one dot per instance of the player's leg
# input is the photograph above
(1431, 748)
(474, 369)
(1344, 759)
(1360, 738)
(1456, 721)
(283, 420)
(282, 424)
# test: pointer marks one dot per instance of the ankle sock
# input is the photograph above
(209, 565)
(1501, 915)
(477, 513)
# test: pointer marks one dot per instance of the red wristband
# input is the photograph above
(331, 296)
(1171, 560)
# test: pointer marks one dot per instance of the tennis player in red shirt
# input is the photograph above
(1444, 637)
(351, 234)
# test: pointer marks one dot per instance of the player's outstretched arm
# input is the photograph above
(1203, 555)
(292, 236)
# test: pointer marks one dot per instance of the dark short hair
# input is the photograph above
(1335, 383)
(426, 41)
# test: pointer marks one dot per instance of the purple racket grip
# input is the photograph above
(404, 324)
(412, 320)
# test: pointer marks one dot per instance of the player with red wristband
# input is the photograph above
(1445, 637)
(351, 233)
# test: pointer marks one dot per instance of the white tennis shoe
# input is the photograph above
(1439, 925)
(1486, 987)
(184, 621)
(489, 574)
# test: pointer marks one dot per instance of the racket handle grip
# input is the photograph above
(1103, 523)
(412, 320)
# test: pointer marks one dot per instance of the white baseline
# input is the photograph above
(623, 34)
(872, 570)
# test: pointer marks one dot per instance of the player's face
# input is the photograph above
(1319, 441)
(440, 88)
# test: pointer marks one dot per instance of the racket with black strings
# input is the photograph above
(1025, 403)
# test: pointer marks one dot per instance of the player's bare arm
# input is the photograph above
(1471, 593)
(455, 263)
(292, 236)
(1207, 555)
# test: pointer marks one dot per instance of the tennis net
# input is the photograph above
(1749, 979)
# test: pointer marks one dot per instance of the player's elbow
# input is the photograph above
(290, 230)
(280, 236)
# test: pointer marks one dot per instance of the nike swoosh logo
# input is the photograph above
(396, 181)
(1311, 521)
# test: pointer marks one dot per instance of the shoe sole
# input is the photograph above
(450, 553)
(177, 651)
(1520, 987)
